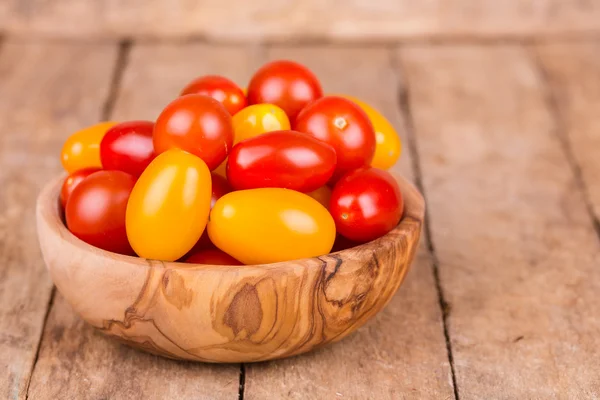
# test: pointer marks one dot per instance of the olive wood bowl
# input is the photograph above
(215, 313)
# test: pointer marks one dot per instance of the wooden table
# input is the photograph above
(503, 299)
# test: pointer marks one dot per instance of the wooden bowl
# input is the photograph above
(216, 313)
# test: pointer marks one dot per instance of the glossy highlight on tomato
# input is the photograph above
(95, 210)
(286, 84)
(71, 183)
(345, 126)
(268, 225)
(388, 145)
(82, 149)
(128, 147)
(283, 159)
(197, 124)
(366, 204)
(212, 257)
(219, 88)
(169, 205)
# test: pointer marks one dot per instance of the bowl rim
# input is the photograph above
(48, 209)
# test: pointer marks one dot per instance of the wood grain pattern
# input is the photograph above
(228, 314)
(289, 19)
(48, 91)
(573, 73)
(518, 255)
(153, 75)
(401, 353)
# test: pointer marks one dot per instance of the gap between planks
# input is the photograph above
(405, 109)
(560, 128)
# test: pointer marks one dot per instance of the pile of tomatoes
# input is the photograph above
(228, 177)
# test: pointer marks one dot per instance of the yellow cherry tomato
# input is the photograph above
(258, 119)
(268, 225)
(388, 145)
(322, 195)
(169, 205)
(82, 149)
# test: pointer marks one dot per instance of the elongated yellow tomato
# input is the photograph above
(258, 119)
(169, 205)
(388, 145)
(82, 149)
(268, 225)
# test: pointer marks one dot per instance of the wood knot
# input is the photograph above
(174, 289)
(244, 315)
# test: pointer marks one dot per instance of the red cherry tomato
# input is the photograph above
(128, 147)
(72, 181)
(345, 126)
(212, 257)
(342, 243)
(366, 204)
(197, 124)
(96, 210)
(219, 88)
(220, 187)
(286, 84)
(283, 159)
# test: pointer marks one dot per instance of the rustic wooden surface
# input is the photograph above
(505, 138)
(241, 20)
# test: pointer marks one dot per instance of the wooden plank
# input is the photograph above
(294, 19)
(573, 73)
(401, 353)
(48, 91)
(517, 253)
(99, 367)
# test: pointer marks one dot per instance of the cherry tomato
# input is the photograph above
(128, 147)
(322, 195)
(212, 257)
(342, 243)
(71, 183)
(258, 119)
(197, 124)
(220, 187)
(269, 225)
(366, 204)
(342, 124)
(95, 211)
(82, 149)
(286, 84)
(169, 206)
(388, 145)
(219, 88)
(284, 159)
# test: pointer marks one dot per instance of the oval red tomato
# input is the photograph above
(219, 88)
(72, 181)
(95, 211)
(128, 147)
(345, 126)
(211, 257)
(197, 124)
(286, 84)
(283, 159)
(366, 204)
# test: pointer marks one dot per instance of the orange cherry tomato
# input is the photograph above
(258, 119)
(212, 257)
(71, 183)
(219, 88)
(169, 205)
(268, 225)
(82, 149)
